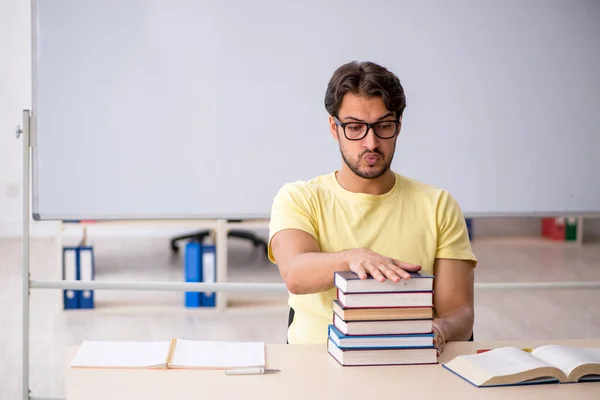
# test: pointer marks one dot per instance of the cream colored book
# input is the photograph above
(177, 353)
(509, 366)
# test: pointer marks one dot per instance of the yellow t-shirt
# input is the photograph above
(413, 222)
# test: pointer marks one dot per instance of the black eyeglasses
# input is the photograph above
(358, 130)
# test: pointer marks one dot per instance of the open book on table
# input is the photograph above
(176, 353)
(512, 366)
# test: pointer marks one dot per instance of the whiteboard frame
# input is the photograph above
(35, 204)
(37, 216)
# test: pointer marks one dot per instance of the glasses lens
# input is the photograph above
(355, 130)
(386, 129)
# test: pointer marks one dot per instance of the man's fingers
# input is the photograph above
(398, 270)
(385, 268)
(407, 266)
(401, 273)
(360, 271)
(375, 272)
(389, 270)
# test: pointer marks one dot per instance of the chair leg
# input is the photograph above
(199, 236)
(256, 240)
(291, 315)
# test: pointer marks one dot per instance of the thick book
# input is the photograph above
(381, 314)
(510, 366)
(379, 341)
(381, 357)
(397, 299)
(175, 354)
(390, 327)
(350, 282)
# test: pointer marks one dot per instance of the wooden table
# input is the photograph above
(309, 372)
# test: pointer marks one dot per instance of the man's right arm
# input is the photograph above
(305, 269)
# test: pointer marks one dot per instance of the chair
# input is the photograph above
(200, 235)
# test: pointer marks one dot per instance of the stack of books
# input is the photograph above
(382, 323)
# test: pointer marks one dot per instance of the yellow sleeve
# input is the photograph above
(453, 235)
(292, 209)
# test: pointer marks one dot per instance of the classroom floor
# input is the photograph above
(139, 315)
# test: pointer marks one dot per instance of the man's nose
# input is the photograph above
(370, 141)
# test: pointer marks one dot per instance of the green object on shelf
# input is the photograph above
(571, 229)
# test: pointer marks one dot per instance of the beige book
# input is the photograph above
(381, 313)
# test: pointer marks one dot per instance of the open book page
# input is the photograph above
(217, 355)
(567, 358)
(99, 354)
(506, 361)
(502, 366)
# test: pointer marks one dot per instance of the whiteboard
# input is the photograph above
(204, 109)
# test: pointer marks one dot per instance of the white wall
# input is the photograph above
(15, 94)
(15, 90)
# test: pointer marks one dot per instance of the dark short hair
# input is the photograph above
(367, 79)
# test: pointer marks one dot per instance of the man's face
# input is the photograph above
(371, 156)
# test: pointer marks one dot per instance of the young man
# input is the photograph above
(367, 218)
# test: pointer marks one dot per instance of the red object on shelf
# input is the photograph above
(554, 228)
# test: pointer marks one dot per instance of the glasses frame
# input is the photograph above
(369, 127)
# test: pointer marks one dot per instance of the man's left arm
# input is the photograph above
(453, 299)
(454, 275)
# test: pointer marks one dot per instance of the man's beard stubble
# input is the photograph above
(369, 174)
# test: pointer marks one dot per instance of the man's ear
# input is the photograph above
(333, 127)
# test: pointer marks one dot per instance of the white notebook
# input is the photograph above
(177, 353)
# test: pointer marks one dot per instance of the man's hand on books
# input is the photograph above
(439, 338)
(365, 261)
